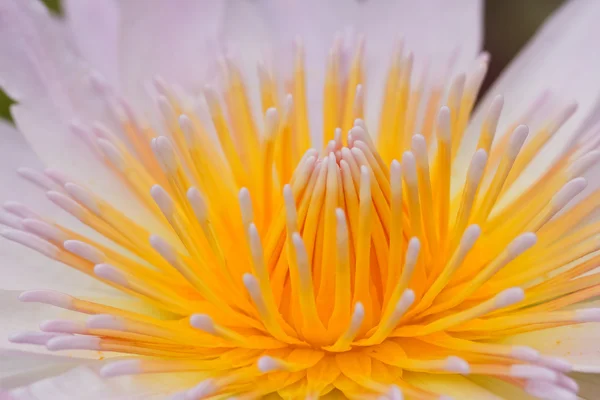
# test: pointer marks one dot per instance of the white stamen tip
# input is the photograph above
(112, 154)
(477, 166)
(164, 249)
(204, 323)
(73, 343)
(110, 273)
(509, 297)
(568, 382)
(82, 196)
(547, 390)
(50, 297)
(198, 204)
(11, 220)
(533, 372)
(20, 209)
(66, 203)
(85, 250)
(246, 206)
(63, 326)
(37, 178)
(44, 230)
(395, 393)
(525, 353)
(457, 364)
(205, 388)
(166, 152)
(32, 241)
(588, 315)
(517, 139)
(522, 243)
(556, 363)
(271, 122)
(409, 167)
(187, 127)
(105, 321)
(166, 110)
(568, 192)
(268, 364)
(39, 338)
(470, 236)
(414, 247)
(162, 199)
(444, 124)
(120, 368)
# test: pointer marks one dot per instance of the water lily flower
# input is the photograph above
(296, 199)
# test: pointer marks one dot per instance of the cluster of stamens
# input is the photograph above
(355, 269)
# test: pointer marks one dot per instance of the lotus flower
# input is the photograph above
(296, 199)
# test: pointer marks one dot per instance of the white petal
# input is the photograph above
(86, 379)
(577, 344)
(167, 38)
(18, 368)
(560, 58)
(95, 29)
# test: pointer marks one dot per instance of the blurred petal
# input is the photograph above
(559, 61)
(86, 379)
(18, 368)
(94, 26)
(167, 38)
(576, 343)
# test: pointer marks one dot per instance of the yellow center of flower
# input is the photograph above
(347, 272)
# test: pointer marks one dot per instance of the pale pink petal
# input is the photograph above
(577, 344)
(94, 26)
(558, 64)
(18, 368)
(86, 379)
(172, 39)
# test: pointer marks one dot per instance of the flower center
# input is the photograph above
(309, 271)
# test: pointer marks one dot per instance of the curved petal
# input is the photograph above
(556, 67)
(576, 343)
(18, 368)
(94, 26)
(86, 379)
(167, 38)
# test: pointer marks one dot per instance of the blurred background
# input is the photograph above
(508, 26)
